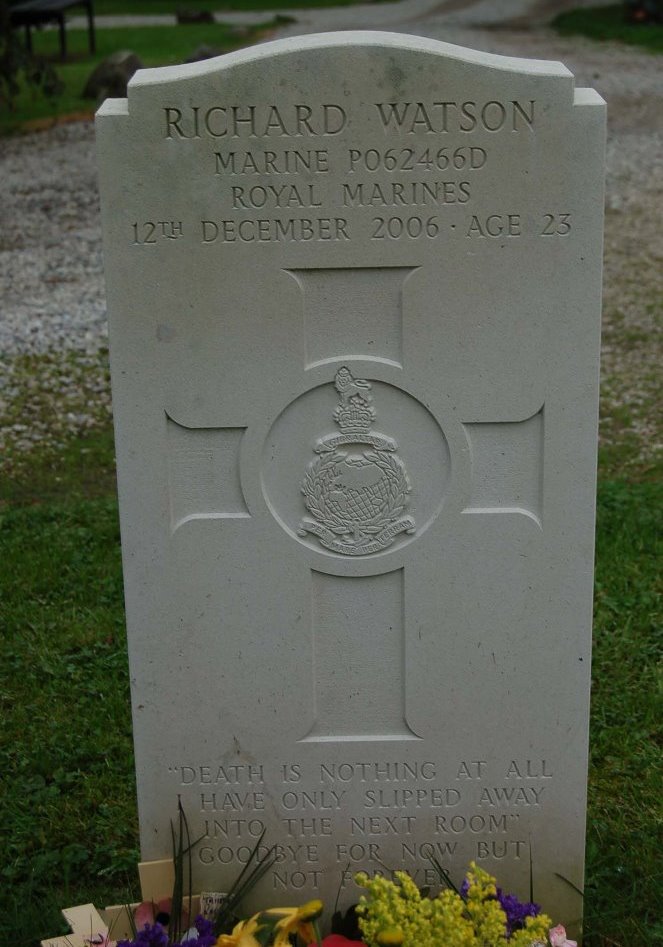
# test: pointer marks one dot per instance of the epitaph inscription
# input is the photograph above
(353, 286)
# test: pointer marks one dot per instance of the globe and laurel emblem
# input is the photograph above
(357, 489)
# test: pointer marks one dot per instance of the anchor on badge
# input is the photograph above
(357, 489)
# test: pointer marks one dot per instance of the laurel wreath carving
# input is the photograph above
(320, 480)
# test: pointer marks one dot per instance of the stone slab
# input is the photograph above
(354, 299)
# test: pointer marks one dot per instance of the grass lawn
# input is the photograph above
(608, 23)
(154, 45)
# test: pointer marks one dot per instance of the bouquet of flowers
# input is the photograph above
(390, 914)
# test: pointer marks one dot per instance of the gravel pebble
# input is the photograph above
(51, 275)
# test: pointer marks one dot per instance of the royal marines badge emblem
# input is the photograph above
(357, 489)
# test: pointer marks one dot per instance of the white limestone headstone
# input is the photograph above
(354, 298)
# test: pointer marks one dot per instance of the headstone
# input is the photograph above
(354, 299)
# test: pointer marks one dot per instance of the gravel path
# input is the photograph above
(53, 339)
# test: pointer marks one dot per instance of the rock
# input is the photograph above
(184, 16)
(109, 79)
(204, 52)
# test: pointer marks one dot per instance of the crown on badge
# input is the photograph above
(355, 417)
(355, 414)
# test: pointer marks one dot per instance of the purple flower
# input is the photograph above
(516, 911)
(206, 936)
(151, 935)
(154, 935)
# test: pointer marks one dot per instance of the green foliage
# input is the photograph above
(609, 23)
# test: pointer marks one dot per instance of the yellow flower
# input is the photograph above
(242, 935)
(536, 929)
(390, 937)
(296, 921)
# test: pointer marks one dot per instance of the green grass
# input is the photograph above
(68, 805)
(83, 469)
(624, 874)
(65, 747)
(609, 23)
(154, 45)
